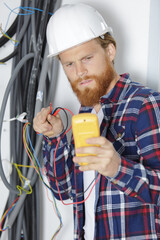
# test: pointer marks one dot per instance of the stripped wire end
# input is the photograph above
(19, 118)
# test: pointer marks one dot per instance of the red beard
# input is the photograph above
(90, 97)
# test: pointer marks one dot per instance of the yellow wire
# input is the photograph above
(36, 167)
(21, 177)
(5, 35)
(27, 166)
(29, 149)
(31, 155)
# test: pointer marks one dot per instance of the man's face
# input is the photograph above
(90, 71)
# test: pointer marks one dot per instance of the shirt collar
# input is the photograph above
(118, 91)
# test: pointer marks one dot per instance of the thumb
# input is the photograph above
(51, 119)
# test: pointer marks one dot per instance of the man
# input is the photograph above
(125, 202)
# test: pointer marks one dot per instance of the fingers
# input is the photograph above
(40, 123)
(42, 115)
(52, 119)
(102, 158)
(98, 146)
(47, 124)
(103, 142)
(42, 128)
(87, 159)
(89, 151)
(90, 163)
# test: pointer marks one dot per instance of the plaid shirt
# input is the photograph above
(127, 206)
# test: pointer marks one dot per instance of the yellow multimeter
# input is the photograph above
(84, 126)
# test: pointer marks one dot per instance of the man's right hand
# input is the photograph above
(47, 124)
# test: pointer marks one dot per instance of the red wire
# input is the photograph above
(4, 216)
(54, 114)
(50, 108)
(72, 203)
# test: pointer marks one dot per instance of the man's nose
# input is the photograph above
(81, 71)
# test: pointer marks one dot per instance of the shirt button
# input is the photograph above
(49, 143)
(115, 181)
(118, 136)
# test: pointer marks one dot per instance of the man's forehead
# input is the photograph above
(79, 51)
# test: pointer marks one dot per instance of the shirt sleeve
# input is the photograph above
(58, 165)
(142, 180)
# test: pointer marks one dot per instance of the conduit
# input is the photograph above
(29, 77)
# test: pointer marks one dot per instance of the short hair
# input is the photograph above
(105, 40)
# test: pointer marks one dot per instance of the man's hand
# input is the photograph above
(106, 161)
(47, 124)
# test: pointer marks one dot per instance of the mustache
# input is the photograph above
(78, 80)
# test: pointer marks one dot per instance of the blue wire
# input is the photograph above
(15, 43)
(25, 9)
(58, 213)
(37, 9)
(34, 152)
(60, 218)
(23, 14)
(7, 215)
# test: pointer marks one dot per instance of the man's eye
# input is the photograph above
(88, 58)
(69, 64)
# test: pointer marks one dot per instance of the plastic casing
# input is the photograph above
(84, 126)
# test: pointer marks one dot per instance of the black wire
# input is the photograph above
(19, 104)
(36, 64)
(24, 235)
(13, 54)
(68, 193)
(65, 115)
(10, 32)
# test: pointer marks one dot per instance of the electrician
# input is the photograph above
(125, 203)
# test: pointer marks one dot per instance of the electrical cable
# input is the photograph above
(19, 38)
(33, 22)
(24, 235)
(20, 87)
(38, 168)
(10, 32)
(36, 63)
(19, 222)
(7, 36)
(3, 106)
(55, 112)
(57, 184)
(5, 59)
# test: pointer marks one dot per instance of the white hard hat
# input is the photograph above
(73, 24)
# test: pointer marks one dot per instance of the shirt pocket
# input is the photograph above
(116, 134)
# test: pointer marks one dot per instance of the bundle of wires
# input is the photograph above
(29, 78)
(35, 163)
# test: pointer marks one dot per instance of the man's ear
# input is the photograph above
(111, 51)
